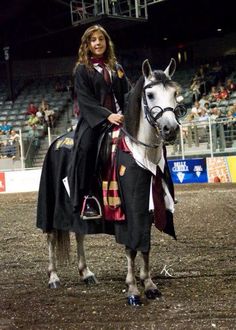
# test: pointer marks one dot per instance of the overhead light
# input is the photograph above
(219, 30)
(165, 38)
(49, 51)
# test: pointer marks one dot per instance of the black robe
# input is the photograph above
(55, 210)
(91, 89)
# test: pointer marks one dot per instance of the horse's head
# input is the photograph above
(160, 105)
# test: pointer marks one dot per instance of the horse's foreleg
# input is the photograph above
(87, 276)
(133, 292)
(150, 288)
(54, 281)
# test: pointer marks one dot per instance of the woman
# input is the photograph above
(100, 86)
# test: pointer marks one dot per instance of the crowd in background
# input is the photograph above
(9, 142)
(211, 92)
(212, 89)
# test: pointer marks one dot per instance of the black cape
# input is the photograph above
(55, 210)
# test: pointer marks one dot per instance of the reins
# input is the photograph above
(153, 146)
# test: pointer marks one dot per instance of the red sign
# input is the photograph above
(2, 182)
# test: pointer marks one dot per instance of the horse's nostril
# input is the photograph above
(166, 129)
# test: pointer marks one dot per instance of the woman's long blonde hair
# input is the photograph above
(85, 53)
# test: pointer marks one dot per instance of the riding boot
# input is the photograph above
(90, 211)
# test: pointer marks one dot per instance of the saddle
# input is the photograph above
(104, 147)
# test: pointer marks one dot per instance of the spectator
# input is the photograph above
(206, 107)
(223, 93)
(49, 116)
(230, 86)
(33, 120)
(232, 109)
(195, 88)
(44, 105)
(41, 116)
(196, 109)
(7, 150)
(203, 100)
(203, 115)
(14, 141)
(6, 128)
(215, 113)
(214, 94)
(14, 137)
(31, 109)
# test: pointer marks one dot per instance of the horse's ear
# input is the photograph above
(170, 70)
(146, 69)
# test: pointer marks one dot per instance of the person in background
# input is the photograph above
(6, 128)
(32, 109)
(33, 120)
(230, 86)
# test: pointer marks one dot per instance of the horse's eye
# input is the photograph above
(150, 96)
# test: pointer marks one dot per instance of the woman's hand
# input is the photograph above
(115, 118)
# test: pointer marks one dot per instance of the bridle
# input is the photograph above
(179, 111)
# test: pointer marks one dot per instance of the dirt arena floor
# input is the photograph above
(196, 273)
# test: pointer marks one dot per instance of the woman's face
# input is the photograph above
(97, 44)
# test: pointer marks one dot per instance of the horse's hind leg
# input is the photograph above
(133, 292)
(54, 281)
(87, 276)
(150, 289)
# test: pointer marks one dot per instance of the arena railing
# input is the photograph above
(208, 138)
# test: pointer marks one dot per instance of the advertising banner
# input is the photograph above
(231, 160)
(188, 170)
(218, 170)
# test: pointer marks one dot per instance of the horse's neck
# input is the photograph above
(148, 135)
(147, 157)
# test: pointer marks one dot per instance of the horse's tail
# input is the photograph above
(63, 246)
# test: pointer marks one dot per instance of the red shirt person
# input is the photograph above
(31, 109)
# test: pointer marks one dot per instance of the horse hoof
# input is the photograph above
(90, 280)
(54, 285)
(153, 294)
(134, 300)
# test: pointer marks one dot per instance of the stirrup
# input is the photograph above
(97, 207)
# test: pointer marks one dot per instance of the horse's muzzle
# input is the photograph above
(169, 134)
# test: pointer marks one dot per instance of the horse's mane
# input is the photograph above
(133, 105)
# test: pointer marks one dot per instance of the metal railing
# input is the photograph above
(210, 138)
(205, 138)
(84, 11)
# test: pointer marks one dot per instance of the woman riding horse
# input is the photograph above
(143, 181)
(100, 85)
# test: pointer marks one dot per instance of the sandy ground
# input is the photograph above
(196, 273)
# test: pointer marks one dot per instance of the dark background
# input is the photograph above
(32, 28)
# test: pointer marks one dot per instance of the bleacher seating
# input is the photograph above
(34, 91)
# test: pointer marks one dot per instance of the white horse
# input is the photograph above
(151, 119)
